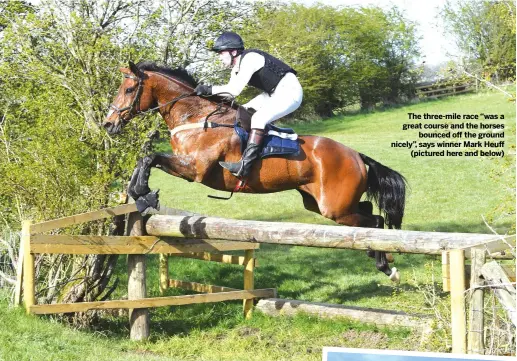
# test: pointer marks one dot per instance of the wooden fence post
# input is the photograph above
(164, 272)
(29, 290)
(446, 272)
(249, 267)
(476, 316)
(458, 316)
(136, 266)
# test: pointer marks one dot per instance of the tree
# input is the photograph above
(12, 9)
(58, 74)
(485, 32)
(343, 56)
(59, 71)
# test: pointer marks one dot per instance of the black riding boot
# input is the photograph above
(242, 168)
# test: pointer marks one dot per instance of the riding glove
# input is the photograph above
(203, 89)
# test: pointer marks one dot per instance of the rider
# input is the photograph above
(282, 92)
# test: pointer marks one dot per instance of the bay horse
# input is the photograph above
(330, 177)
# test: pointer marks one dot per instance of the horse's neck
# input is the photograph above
(191, 109)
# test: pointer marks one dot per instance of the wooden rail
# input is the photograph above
(83, 217)
(313, 235)
(187, 235)
(64, 244)
(444, 89)
(136, 244)
(151, 302)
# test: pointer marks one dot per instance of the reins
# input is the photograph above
(136, 102)
(133, 112)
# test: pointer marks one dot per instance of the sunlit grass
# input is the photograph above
(446, 194)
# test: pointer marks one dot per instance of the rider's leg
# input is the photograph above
(242, 168)
(257, 102)
(286, 99)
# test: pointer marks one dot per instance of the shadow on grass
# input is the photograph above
(297, 272)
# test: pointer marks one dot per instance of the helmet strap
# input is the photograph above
(239, 52)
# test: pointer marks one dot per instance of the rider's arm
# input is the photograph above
(239, 79)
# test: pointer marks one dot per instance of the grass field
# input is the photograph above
(447, 194)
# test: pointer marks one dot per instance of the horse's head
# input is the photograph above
(133, 98)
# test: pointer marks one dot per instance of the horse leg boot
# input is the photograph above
(139, 187)
(382, 258)
(241, 169)
(382, 265)
(366, 208)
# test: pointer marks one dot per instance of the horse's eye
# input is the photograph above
(129, 90)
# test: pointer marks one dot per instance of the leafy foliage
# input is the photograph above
(59, 72)
(485, 32)
(343, 56)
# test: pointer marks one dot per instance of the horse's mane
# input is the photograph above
(179, 73)
(182, 75)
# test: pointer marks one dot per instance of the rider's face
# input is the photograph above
(226, 58)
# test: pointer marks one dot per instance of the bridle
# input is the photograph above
(135, 104)
(134, 108)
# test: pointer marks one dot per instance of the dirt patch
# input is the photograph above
(248, 331)
(374, 339)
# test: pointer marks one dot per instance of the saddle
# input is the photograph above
(280, 142)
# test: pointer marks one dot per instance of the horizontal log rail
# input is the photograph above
(313, 235)
(199, 287)
(152, 302)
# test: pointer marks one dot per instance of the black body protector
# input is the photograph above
(268, 77)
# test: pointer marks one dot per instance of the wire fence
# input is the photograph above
(498, 330)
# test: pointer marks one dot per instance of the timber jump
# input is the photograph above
(183, 234)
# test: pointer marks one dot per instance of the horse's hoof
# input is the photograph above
(395, 275)
(148, 202)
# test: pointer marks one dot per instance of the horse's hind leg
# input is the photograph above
(309, 202)
(366, 208)
(360, 220)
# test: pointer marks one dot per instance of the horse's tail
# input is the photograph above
(388, 188)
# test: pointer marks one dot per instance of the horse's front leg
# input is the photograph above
(182, 166)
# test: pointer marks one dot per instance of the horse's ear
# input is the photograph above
(125, 71)
(134, 69)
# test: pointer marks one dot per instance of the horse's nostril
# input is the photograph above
(107, 125)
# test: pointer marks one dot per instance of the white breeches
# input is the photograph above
(286, 98)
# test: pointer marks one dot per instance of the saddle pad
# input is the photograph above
(274, 145)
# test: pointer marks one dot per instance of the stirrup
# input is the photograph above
(228, 165)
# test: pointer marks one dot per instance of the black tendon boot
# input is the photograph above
(242, 168)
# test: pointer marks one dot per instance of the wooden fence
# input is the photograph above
(440, 89)
(136, 245)
(192, 235)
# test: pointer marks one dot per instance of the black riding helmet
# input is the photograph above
(228, 41)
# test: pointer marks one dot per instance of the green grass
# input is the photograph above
(447, 194)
